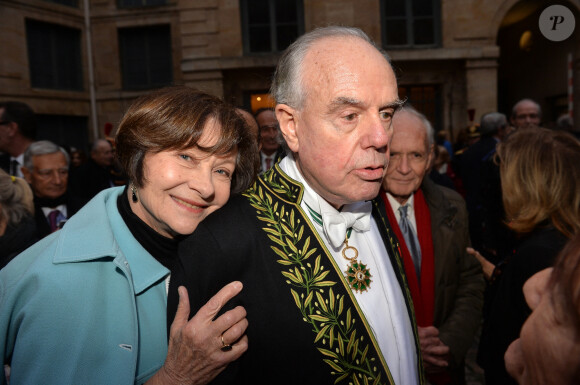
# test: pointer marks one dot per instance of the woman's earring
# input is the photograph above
(134, 193)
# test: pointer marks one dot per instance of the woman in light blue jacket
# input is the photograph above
(87, 304)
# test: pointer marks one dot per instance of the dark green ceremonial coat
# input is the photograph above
(305, 326)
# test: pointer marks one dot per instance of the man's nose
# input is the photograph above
(57, 177)
(403, 165)
(378, 134)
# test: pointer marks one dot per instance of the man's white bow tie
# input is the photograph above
(335, 224)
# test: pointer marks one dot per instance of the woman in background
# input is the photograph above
(17, 228)
(87, 304)
(540, 180)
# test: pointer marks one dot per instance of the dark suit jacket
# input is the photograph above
(278, 156)
(305, 326)
(459, 282)
(482, 193)
(5, 162)
(471, 164)
(73, 204)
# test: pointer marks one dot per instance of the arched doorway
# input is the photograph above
(531, 66)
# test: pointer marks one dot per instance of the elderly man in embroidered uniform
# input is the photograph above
(324, 285)
(446, 282)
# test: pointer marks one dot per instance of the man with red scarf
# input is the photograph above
(446, 283)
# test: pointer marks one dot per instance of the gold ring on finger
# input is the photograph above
(225, 347)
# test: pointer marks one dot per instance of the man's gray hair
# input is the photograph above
(42, 147)
(426, 123)
(514, 108)
(492, 122)
(97, 144)
(287, 83)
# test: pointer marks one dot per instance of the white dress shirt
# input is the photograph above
(263, 165)
(20, 160)
(410, 210)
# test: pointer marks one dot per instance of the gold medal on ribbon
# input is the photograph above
(357, 273)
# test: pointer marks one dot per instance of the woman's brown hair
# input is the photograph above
(174, 118)
(540, 177)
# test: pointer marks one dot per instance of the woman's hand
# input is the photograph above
(486, 265)
(195, 354)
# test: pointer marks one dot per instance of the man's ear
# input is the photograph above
(27, 174)
(287, 119)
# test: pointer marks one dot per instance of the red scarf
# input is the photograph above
(423, 294)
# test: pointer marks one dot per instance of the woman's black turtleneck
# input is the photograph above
(163, 249)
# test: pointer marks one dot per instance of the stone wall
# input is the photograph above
(208, 53)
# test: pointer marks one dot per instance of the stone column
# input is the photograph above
(481, 84)
(199, 30)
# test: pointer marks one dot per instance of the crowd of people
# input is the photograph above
(333, 238)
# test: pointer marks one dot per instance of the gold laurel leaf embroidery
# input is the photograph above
(277, 240)
(321, 276)
(331, 337)
(282, 231)
(363, 356)
(287, 229)
(321, 333)
(345, 375)
(296, 298)
(319, 318)
(328, 353)
(269, 230)
(321, 301)
(331, 301)
(326, 283)
(340, 344)
(301, 232)
(280, 252)
(307, 255)
(308, 299)
(290, 276)
(334, 365)
(355, 350)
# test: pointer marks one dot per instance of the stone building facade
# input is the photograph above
(80, 63)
